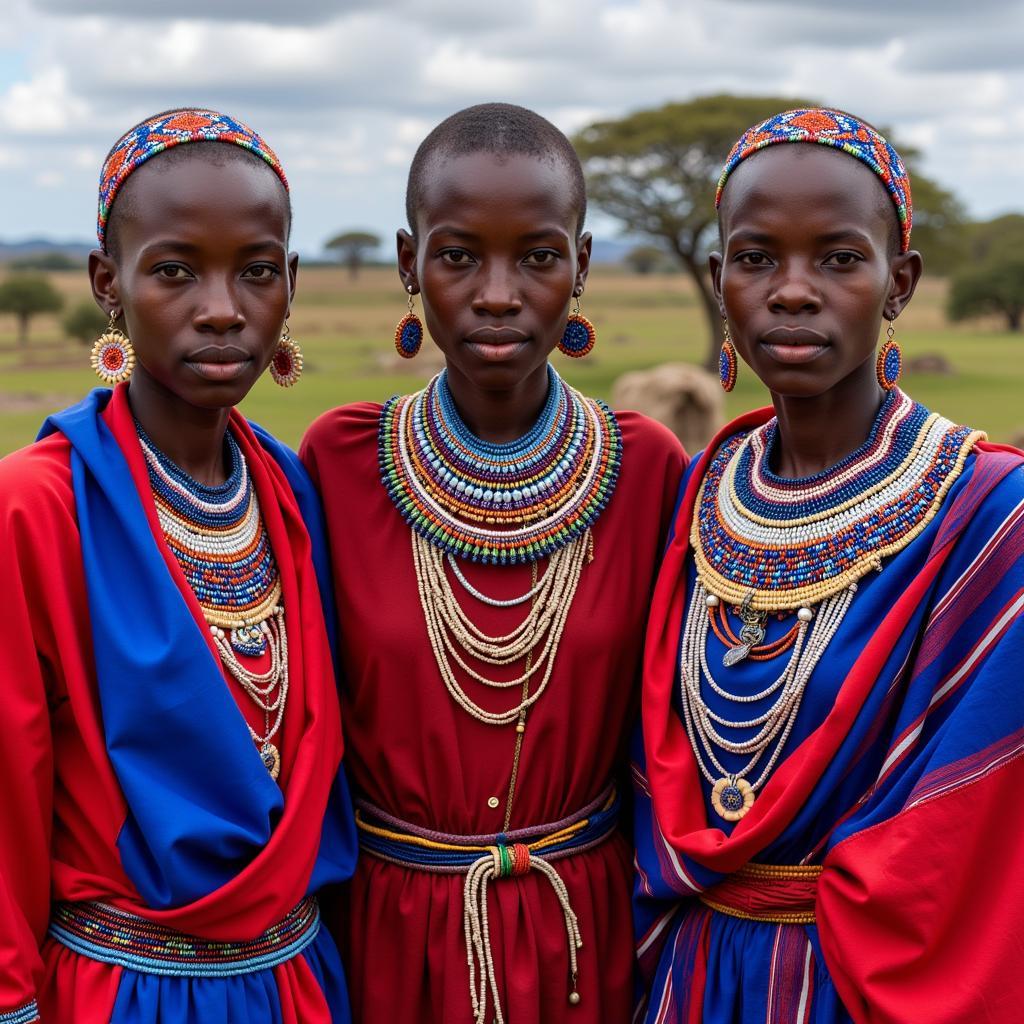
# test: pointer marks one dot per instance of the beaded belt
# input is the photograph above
(773, 893)
(112, 936)
(485, 857)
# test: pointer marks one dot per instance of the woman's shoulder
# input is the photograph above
(343, 427)
(642, 434)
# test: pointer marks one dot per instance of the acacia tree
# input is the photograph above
(993, 281)
(85, 322)
(657, 170)
(352, 248)
(25, 295)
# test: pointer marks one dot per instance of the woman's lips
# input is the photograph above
(793, 344)
(219, 364)
(496, 344)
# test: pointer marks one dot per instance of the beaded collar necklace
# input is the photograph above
(499, 503)
(763, 543)
(219, 540)
(792, 542)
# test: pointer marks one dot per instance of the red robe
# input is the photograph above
(414, 753)
(63, 811)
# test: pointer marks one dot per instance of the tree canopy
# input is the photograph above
(25, 295)
(85, 322)
(993, 281)
(656, 171)
(352, 248)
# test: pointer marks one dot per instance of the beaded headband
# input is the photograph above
(837, 129)
(172, 128)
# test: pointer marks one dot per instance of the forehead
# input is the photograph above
(501, 187)
(211, 190)
(795, 182)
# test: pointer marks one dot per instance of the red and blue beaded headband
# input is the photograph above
(831, 128)
(172, 128)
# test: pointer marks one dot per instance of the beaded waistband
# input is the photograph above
(488, 857)
(102, 932)
(772, 893)
(400, 842)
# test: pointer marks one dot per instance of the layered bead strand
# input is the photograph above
(500, 504)
(767, 544)
(219, 540)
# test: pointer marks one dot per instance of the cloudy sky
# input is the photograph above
(345, 89)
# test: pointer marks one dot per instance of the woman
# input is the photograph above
(172, 740)
(832, 710)
(493, 541)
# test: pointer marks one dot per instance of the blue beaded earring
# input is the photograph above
(409, 332)
(889, 365)
(579, 335)
(727, 365)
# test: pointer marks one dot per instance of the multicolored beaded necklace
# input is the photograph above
(763, 543)
(499, 503)
(219, 540)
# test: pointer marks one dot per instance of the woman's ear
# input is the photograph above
(584, 246)
(906, 269)
(715, 265)
(407, 261)
(103, 279)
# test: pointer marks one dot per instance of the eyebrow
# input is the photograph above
(177, 245)
(529, 236)
(765, 238)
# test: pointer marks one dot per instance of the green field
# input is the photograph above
(346, 330)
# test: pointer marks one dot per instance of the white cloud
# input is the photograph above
(346, 91)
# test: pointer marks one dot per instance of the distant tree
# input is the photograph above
(995, 286)
(642, 259)
(352, 248)
(25, 295)
(85, 322)
(656, 171)
(1002, 237)
(992, 279)
(940, 231)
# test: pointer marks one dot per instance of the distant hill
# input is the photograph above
(73, 250)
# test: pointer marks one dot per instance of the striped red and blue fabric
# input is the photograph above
(901, 779)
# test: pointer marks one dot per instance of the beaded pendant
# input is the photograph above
(780, 543)
(499, 503)
(218, 538)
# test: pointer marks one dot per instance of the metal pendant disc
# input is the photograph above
(732, 798)
(271, 758)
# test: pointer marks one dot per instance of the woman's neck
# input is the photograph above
(815, 433)
(192, 438)
(500, 416)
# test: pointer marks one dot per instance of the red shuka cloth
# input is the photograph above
(414, 753)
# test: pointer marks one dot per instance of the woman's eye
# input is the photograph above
(541, 258)
(262, 272)
(844, 259)
(753, 259)
(173, 271)
(457, 257)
